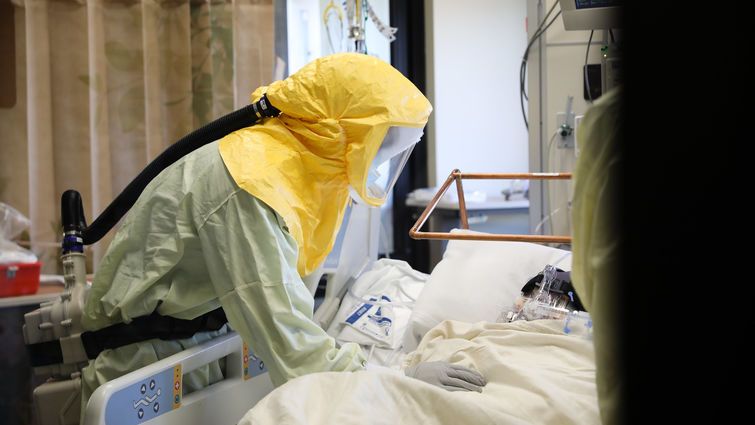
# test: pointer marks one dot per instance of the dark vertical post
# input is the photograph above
(408, 56)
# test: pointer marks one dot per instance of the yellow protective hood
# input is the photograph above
(335, 112)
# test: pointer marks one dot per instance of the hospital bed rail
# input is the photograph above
(457, 176)
(154, 393)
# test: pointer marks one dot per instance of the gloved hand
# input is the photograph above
(447, 375)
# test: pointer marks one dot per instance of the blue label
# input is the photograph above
(364, 308)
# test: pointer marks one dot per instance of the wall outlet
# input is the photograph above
(565, 129)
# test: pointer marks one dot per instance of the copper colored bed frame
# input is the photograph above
(458, 176)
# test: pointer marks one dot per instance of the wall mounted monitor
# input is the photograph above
(591, 14)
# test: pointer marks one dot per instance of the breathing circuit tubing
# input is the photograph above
(77, 233)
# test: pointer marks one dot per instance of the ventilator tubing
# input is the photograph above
(73, 212)
(57, 323)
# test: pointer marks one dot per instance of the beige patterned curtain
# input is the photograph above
(104, 86)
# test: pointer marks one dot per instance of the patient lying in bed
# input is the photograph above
(536, 373)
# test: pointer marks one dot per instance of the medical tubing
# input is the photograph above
(563, 257)
(73, 215)
(587, 80)
(523, 67)
(539, 31)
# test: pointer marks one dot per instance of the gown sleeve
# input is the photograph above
(251, 259)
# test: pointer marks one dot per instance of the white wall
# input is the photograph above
(474, 49)
(474, 52)
(555, 73)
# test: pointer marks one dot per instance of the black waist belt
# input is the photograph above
(140, 329)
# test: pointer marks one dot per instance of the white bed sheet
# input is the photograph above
(402, 285)
(535, 372)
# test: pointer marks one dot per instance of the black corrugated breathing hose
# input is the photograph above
(77, 233)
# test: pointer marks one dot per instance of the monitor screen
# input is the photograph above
(585, 4)
(591, 14)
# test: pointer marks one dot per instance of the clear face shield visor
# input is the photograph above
(390, 160)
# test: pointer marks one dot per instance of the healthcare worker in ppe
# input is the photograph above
(597, 243)
(236, 223)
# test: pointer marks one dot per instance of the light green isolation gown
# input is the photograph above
(596, 243)
(209, 231)
(195, 241)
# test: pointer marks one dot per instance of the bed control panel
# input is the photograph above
(163, 392)
(147, 399)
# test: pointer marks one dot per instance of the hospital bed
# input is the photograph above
(539, 371)
(153, 394)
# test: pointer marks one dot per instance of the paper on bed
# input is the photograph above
(535, 373)
(376, 310)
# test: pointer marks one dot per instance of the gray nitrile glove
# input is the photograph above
(448, 376)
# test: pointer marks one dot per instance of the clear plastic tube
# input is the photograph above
(544, 304)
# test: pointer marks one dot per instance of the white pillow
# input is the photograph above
(477, 280)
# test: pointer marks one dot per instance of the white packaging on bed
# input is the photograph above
(477, 280)
(375, 311)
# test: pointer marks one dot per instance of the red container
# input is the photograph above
(19, 279)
